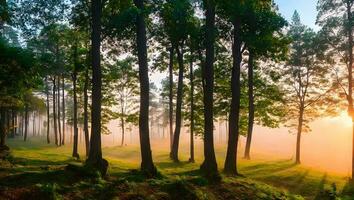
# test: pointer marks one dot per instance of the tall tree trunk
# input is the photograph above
(86, 130)
(176, 135)
(147, 165)
(22, 123)
(13, 123)
(33, 123)
(48, 107)
(231, 156)
(75, 146)
(191, 75)
(299, 131)
(39, 131)
(350, 73)
(95, 156)
(59, 117)
(250, 105)
(55, 113)
(170, 69)
(209, 166)
(2, 127)
(122, 126)
(63, 107)
(122, 121)
(8, 121)
(26, 122)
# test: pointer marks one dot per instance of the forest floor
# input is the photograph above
(35, 170)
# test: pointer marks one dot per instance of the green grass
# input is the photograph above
(39, 166)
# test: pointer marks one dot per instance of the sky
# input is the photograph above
(306, 9)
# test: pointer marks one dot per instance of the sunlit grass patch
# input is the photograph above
(36, 162)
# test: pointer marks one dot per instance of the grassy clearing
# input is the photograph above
(39, 167)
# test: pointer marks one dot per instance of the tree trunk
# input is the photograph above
(209, 166)
(22, 123)
(86, 130)
(63, 107)
(59, 117)
(75, 146)
(26, 122)
(2, 127)
(147, 165)
(13, 121)
(39, 131)
(122, 124)
(55, 113)
(350, 72)
(170, 69)
(176, 135)
(191, 159)
(122, 121)
(33, 123)
(95, 156)
(231, 156)
(250, 106)
(299, 131)
(48, 107)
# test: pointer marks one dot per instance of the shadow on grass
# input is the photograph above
(42, 177)
(36, 162)
(171, 164)
(268, 167)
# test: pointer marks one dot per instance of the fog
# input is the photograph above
(327, 147)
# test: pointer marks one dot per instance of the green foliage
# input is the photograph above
(308, 81)
(49, 191)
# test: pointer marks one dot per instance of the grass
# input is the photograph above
(37, 166)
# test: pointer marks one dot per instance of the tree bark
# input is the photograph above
(75, 145)
(170, 69)
(63, 107)
(147, 165)
(2, 127)
(299, 131)
(26, 122)
(59, 117)
(86, 130)
(39, 131)
(22, 123)
(55, 113)
(122, 126)
(33, 123)
(48, 107)
(191, 75)
(250, 105)
(231, 156)
(95, 156)
(350, 73)
(122, 121)
(176, 135)
(13, 121)
(209, 166)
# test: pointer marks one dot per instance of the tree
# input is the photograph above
(308, 80)
(209, 166)
(233, 12)
(18, 75)
(265, 42)
(147, 165)
(177, 19)
(125, 83)
(74, 80)
(336, 20)
(95, 156)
